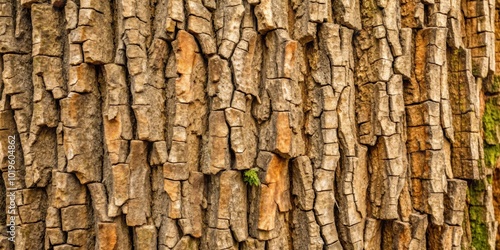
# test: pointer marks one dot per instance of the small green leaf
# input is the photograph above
(251, 177)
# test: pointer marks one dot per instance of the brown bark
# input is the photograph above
(250, 124)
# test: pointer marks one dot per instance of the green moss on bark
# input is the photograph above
(491, 121)
(495, 84)
(475, 193)
(478, 214)
(491, 155)
(479, 235)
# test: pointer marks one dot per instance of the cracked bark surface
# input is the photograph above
(371, 124)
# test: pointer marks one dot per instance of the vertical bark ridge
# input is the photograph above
(250, 124)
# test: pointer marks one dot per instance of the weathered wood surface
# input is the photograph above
(372, 124)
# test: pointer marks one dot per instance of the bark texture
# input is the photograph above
(250, 124)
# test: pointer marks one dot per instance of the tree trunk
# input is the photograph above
(249, 124)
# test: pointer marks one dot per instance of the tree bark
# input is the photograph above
(249, 124)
